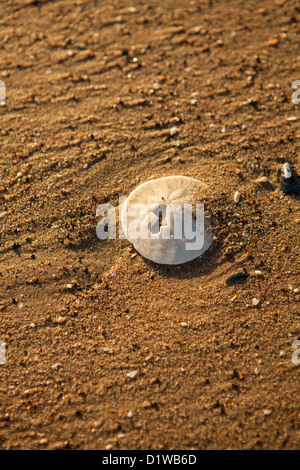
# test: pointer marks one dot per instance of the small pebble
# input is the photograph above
(267, 412)
(236, 197)
(255, 302)
(288, 180)
(173, 131)
(292, 118)
(184, 324)
(61, 320)
(273, 42)
(132, 374)
(130, 414)
(262, 179)
(43, 441)
(156, 86)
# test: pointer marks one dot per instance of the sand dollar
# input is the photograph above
(161, 219)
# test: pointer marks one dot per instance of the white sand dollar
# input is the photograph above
(164, 219)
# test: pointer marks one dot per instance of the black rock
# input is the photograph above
(288, 180)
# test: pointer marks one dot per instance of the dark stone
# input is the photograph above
(288, 180)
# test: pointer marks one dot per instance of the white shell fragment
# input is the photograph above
(236, 197)
(262, 179)
(171, 229)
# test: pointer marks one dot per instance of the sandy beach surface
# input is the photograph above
(104, 349)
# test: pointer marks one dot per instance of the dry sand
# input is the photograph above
(93, 89)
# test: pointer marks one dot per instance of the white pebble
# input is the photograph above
(184, 324)
(132, 374)
(173, 131)
(255, 302)
(130, 414)
(156, 86)
(267, 412)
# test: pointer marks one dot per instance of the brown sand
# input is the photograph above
(83, 125)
